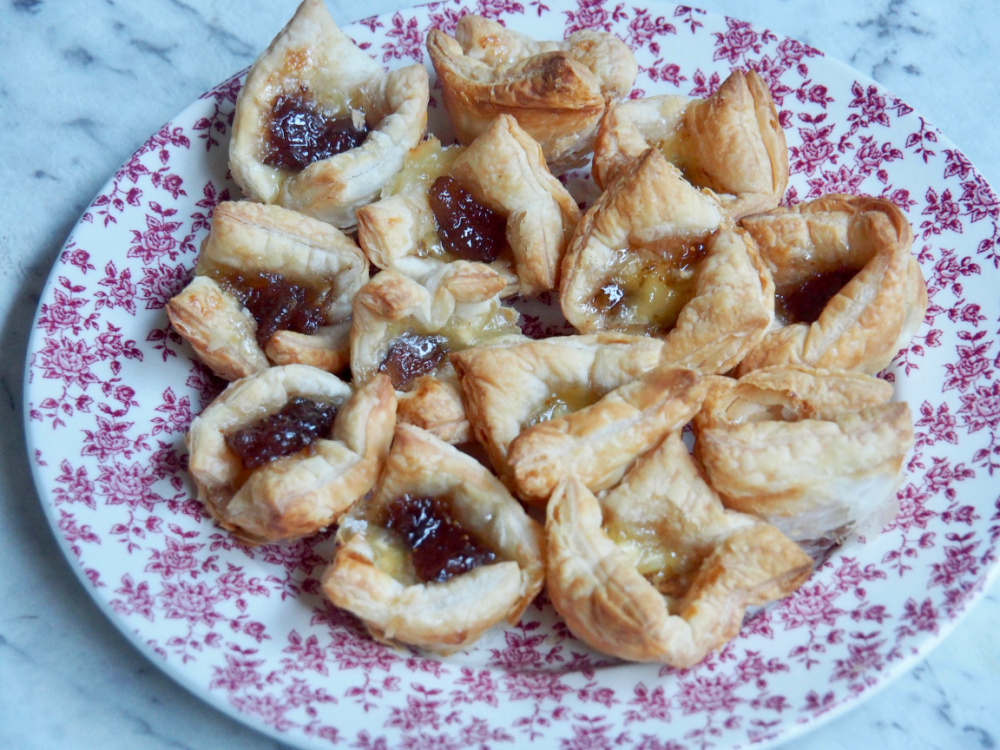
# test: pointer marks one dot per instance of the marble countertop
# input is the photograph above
(83, 84)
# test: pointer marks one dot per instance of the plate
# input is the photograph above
(111, 389)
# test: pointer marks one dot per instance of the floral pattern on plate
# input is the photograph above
(248, 630)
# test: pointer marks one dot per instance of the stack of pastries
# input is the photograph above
(381, 384)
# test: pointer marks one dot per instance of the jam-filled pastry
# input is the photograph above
(557, 91)
(819, 460)
(494, 202)
(282, 454)
(849, 294)
(656, 256)
(599, 442)
(271, 286)
(658, 570)
(510, 386)
(439, 553)
(320, 126)
(405, 328)
(730, 143)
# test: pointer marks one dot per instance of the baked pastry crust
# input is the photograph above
(505, 170)
(312, 54)
(298, 495)
(249, 238)
(458, 301)
(701, 565)
(598, 443)
(557, 91)
(874, 315)
(818, 454)
(447, 616)
(647, 223)
(730, 143)
(511, 385)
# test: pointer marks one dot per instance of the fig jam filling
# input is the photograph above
(275, 303)
(439, 546)
(411, 355)
(804, 303)
(467, 228)
(299, 424)
(298, 134)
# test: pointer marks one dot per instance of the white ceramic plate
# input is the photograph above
(111, 390)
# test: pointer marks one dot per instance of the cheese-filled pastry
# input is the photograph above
(557, 91)
(730, 143)
(439, 553)
(816, 453)
(848, 292)
(283, 453)
(512, 385)
(494, 202)
(656, 256)
(320, 126)
(658, 570)
(406, 328)
(271, 286)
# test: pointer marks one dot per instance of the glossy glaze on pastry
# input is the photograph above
(393, 573)
(314, 66)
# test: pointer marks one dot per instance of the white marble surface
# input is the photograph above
(83, 84)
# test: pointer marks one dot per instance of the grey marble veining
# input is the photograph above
(83, 84)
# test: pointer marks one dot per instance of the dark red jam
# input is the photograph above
(299, 424)
(298, 134)
(467, 228)
(805, 302)
(276, 303)
(440, 547)
(411, 355)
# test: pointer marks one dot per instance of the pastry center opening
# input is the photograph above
(301, 422)
(563, 401)
(662, 558)
(276, 303)
(648, 286)
(299, 133)
(467, 229)
(411, 355)
(805, 301)
(438, 545)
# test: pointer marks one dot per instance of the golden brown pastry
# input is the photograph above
(656, 256)
(283, 453)
(816, 453)
(557, 91)
(730, 143)
(320, 126)
(513, 385)
(439, 553)
(271, 285)
(849, 294)
(406, 328)
(596, 444)
(659, 570)
(529, 214)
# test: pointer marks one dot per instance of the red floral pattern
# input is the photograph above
(250, 625)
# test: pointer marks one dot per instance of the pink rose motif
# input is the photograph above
(982, 408)
(863, 657)
(77, 487)
(352, 652)
(130, 485)
(590, 14)
(535, 686)
(68, 361)
(791, 51)
(162, 283)
(178, 557)
(869, 156)
(172, 184)
(120, 290)
(109, 345)
(705, 694)
(192, 602)
(737, 41)
(108, 440)
(811, 606)
(156, 241)
(971, 366)
(239, 672)
(418, 713)
(814, 151)
(842, 181)
(76, 256)
(62, 314)
(923, 616)
(979, 199)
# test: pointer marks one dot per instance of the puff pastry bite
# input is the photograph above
(439, 553)
(818, 453)
(320, 126)
(510, 386)
(557, 91)
(658, 570)
(730, 143)
(271, 285)
(597, 444)
(405, 328)
(494, 202)
(283, 453)
(849, 294)
(656, 256)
